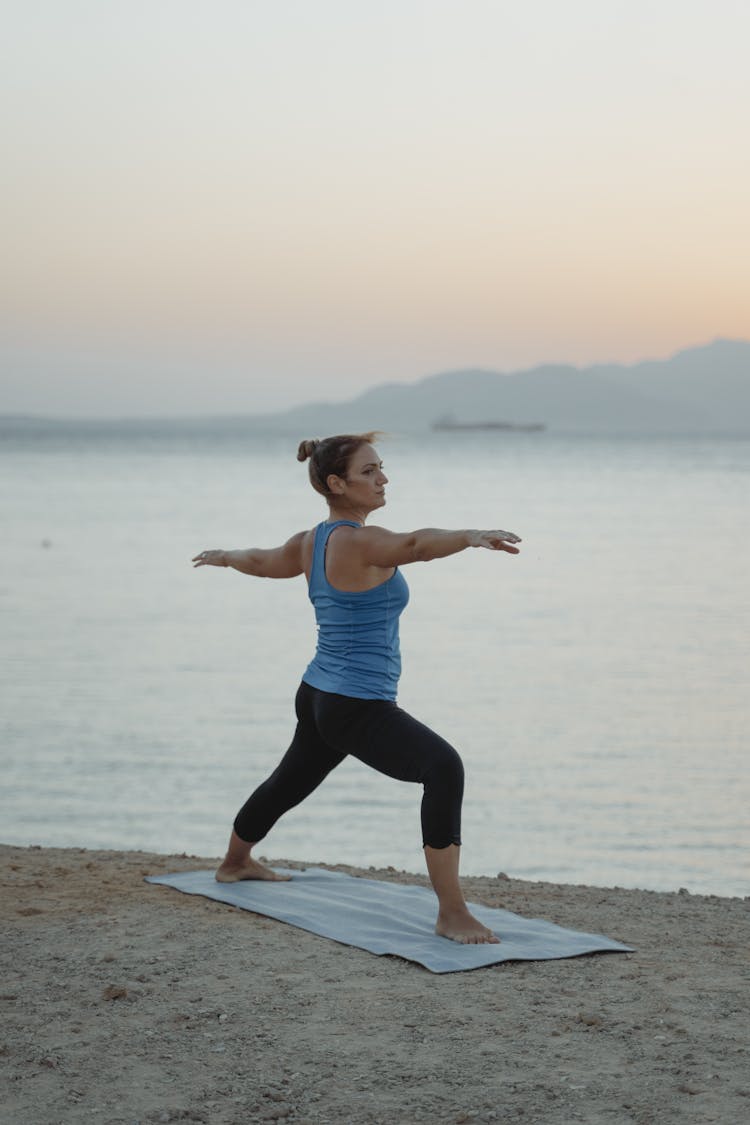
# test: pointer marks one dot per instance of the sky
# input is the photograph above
(232, 206)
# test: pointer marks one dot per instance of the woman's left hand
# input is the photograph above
(211, 558)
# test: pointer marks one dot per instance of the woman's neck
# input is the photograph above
(336, 512)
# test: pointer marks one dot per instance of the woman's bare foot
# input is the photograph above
(249, 868)
(461, 926)
(454, 920)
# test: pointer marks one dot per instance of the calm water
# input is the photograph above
(596, 685)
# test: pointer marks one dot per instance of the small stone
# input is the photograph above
(114, 992)
(588, 1019)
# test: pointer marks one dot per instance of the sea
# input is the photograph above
(596, 685)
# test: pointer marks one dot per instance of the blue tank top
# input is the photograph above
(358, 650)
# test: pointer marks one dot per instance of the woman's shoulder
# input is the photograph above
(353, 563)
(351, 535)
(306, 540)
(362, 531)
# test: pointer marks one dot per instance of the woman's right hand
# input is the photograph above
(495, 541)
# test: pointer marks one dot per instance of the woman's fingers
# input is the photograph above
(209, 558)
(501, 541)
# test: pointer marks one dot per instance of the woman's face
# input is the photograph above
(364, 487)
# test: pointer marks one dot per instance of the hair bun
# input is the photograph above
(307, 448)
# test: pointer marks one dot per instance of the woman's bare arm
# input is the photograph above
(378, 547)
(277, 562)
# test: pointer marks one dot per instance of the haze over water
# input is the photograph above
(595, 685)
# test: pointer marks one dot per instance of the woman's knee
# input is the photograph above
(446, 767)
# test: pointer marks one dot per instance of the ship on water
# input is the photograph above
(448, 422)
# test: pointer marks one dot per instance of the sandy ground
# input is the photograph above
(125, 1002)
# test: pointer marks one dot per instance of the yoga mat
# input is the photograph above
(390, 918)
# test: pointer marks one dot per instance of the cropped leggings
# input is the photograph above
(378, 733)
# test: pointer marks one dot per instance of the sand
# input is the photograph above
(125, 1002)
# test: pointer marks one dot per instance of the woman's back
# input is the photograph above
(358, 651)
(345, 567)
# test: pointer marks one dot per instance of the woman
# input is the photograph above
(346, 701)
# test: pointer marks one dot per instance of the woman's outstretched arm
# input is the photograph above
(379, 547)
(278, 562)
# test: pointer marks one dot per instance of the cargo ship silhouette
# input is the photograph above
(448, 422)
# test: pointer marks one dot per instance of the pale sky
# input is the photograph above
(233, 205)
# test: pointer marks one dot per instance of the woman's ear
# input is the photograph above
(335, 484)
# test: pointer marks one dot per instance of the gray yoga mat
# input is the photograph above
(393, 918)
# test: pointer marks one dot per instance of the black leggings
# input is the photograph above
(378, 733)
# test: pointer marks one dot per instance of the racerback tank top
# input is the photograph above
(358, 651)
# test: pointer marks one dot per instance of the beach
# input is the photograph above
(126, 1002)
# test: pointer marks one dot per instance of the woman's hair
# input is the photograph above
(331, 455)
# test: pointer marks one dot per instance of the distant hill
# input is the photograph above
(700, 390)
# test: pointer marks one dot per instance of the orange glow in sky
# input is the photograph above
(303, 200)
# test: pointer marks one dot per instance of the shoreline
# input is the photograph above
(126, 1002)
(391, 871)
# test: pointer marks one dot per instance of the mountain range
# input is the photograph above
(699, 390)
